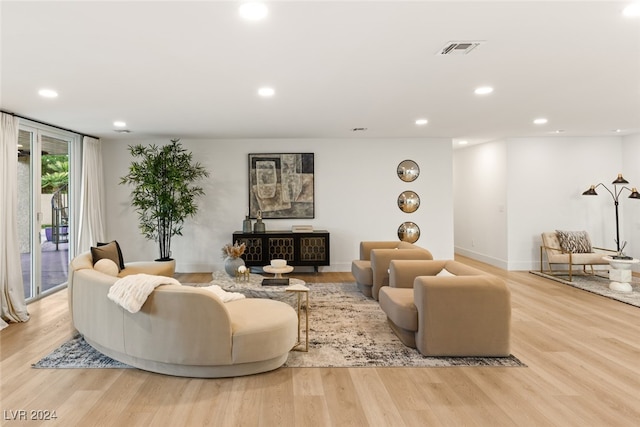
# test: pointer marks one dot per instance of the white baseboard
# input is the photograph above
(340, 267)
(483, 258)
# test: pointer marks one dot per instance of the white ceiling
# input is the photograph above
(192, 69)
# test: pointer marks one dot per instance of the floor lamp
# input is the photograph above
(620, 181)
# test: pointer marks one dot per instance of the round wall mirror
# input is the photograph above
(408, 201)
(408, 232)
(408, 170)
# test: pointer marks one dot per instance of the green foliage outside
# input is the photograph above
(55, 172)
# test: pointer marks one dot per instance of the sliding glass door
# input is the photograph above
(44, 209)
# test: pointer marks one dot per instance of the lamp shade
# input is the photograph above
(591, 191)
(634, 193)
(620, 180)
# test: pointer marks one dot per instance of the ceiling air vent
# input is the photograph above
(459, 48)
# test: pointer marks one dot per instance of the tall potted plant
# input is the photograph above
(164, 190)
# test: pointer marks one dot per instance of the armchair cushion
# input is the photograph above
(402, 314)
(361, 270)
(398, 305)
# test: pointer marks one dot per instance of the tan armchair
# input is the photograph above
(372, 269)
(445, 308)
(577, 251)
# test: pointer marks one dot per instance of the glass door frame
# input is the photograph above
(74, 151)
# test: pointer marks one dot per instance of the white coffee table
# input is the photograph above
(620, 273)
(253, 287)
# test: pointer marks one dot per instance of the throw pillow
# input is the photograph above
(120, 261)
(108, 251)
(106, 266)
(576, 242)
(445, 273)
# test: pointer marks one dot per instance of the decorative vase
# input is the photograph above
(246, 225)
(259, 226)
(231, 265)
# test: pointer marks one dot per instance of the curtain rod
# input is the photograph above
(48, 124)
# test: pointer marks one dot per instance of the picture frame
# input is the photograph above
(281, 185)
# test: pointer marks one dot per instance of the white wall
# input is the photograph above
(631, 207)
(545, 178)
(480, 192)
(356, 189)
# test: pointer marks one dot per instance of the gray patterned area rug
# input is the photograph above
(346, 329)
(76, 353)
(598, 285)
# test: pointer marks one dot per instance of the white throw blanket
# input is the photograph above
(222, 294)
(132, 291)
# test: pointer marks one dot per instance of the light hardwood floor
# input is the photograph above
(582, 352)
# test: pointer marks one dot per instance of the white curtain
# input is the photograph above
(12, 302)
(91, 227)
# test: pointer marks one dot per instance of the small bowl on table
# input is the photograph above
(278, 263)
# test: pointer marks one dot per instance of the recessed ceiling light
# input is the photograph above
(559, 131)
(253, 11)
(483, 90)
(119, 124)
(632, 11)
(48, 93)
(422, 122)
(463, 142)
(540, 121)
(266, 91)
(618, 130)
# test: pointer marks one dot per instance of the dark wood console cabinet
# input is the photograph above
(299, 249)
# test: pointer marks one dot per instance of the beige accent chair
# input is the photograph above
(446, 308)
(372, 269)
(180, 330)
(552, 252)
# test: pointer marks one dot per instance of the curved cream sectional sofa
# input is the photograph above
(180, 330)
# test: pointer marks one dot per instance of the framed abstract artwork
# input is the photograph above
(281, 185)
